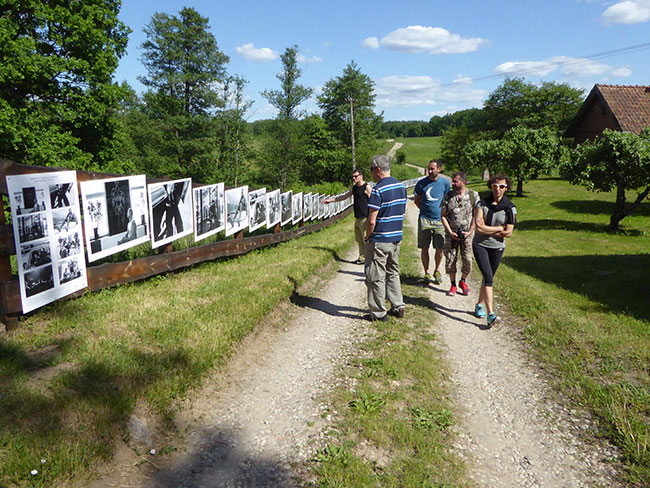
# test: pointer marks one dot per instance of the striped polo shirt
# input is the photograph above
(389, 198)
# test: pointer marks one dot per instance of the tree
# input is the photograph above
(281, 162)
(356, 88)
(516, 102)
(616, 160)
(525, 153)
(184, 69)
(57, 97)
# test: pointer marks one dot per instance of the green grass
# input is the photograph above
(420, 150)
(73, 373)
(393, 428)
(581, 295)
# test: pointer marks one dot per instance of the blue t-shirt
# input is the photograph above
(389, 198)
(431, 193)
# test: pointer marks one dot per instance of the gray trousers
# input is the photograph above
(382, 277)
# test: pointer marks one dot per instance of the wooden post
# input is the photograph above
(11, 322)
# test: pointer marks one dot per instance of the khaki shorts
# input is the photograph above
(436, 234)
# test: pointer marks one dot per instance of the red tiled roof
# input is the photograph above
(629, 104)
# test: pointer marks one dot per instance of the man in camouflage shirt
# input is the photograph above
(457, 210)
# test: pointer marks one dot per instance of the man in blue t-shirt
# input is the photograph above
(428, 195)
(386, 209)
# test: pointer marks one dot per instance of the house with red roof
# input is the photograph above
(624, 108)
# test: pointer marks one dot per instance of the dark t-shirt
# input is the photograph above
(360, 201)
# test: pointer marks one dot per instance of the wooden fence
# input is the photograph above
(110, 274)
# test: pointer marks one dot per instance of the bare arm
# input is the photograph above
(368, 190)
(417, 199)
(445, 223)
(339, 198)
(371, 221)
(491, 230)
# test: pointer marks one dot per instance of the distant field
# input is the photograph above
(419, 150)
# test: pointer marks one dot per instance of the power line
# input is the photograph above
(560, 64)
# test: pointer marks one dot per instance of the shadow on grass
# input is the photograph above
(334, 254)
(598, 207)
(570, 225)
(621, 283)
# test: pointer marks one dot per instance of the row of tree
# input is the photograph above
(59, 105)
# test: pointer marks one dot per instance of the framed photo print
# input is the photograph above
(273, 208)
(236, 209)
(286, 201)
(209, 214)
(257, 209)
(170, 211)
(296, 208)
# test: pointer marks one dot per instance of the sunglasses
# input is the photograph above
(499, 186)
(355, 176)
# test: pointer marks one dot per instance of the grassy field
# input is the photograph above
(580, 295)
(420, 150)
(73, 373)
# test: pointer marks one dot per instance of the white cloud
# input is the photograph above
(411, 91)
(371, 42)
(622, 72)
(567, 66)
(257, 54)
(432, 40)
(304, 59)
(628, 12)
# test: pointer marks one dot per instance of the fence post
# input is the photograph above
(11, 322)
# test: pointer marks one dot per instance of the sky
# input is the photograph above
(426, 58)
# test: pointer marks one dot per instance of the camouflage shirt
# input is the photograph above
(460, 208)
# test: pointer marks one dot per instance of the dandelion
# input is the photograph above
(34, 472)
(152, 452)
(43, 461)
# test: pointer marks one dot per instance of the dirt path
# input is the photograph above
(251, 428)
(393, 150)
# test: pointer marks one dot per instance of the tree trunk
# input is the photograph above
(619, 208)
(520, 187)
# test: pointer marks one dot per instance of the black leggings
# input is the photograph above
(488, 261)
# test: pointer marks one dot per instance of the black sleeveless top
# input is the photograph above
(360, 201)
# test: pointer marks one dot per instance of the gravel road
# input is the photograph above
(251, 428)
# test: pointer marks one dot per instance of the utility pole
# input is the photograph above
(354, 161)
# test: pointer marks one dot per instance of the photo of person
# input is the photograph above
(209, 215)
(38, 281)
(236, 209)
(315, 198)
(286, 201)
(31, 227)
(61, 195)
(306, 206)
(273, 208)
(296, 206)
(170, 211)
(62, 219)
(115, 214)
(256, 209)
(35, 255)
(46, 232)
(69, 270)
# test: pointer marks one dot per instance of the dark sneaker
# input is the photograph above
(360, 261)
(464, 289)
(492, 319)
(427, 278)
(452, 291)
(397, 312)
(372, 318)
(437, 278)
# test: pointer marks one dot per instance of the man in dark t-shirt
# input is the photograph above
(360, 192)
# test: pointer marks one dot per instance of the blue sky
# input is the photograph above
(426, 57)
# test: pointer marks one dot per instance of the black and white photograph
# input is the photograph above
(321, 207)
(209, 214)
(31, 227)
(315, 198)
(296, 208)
(170, 211)
(306, 206)
(286, 200)
(328, 208)
(236, 210)
(38, 281)
(35, 255)
(62, 219)
(28, 200)
(47, 232)
(69, 270)
(256, 209)
(115, 214)
(273, 208)
(61, 195)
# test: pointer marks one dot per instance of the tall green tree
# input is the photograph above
(615, 161)
(357, 88)
(184, 69)
(519, 103)
(281, 161)
(57, 97)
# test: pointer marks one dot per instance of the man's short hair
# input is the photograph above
(359, 171)
(461, 175)
(380, 161)
(437, 161)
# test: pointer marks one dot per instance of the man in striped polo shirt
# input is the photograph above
(386, 209)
